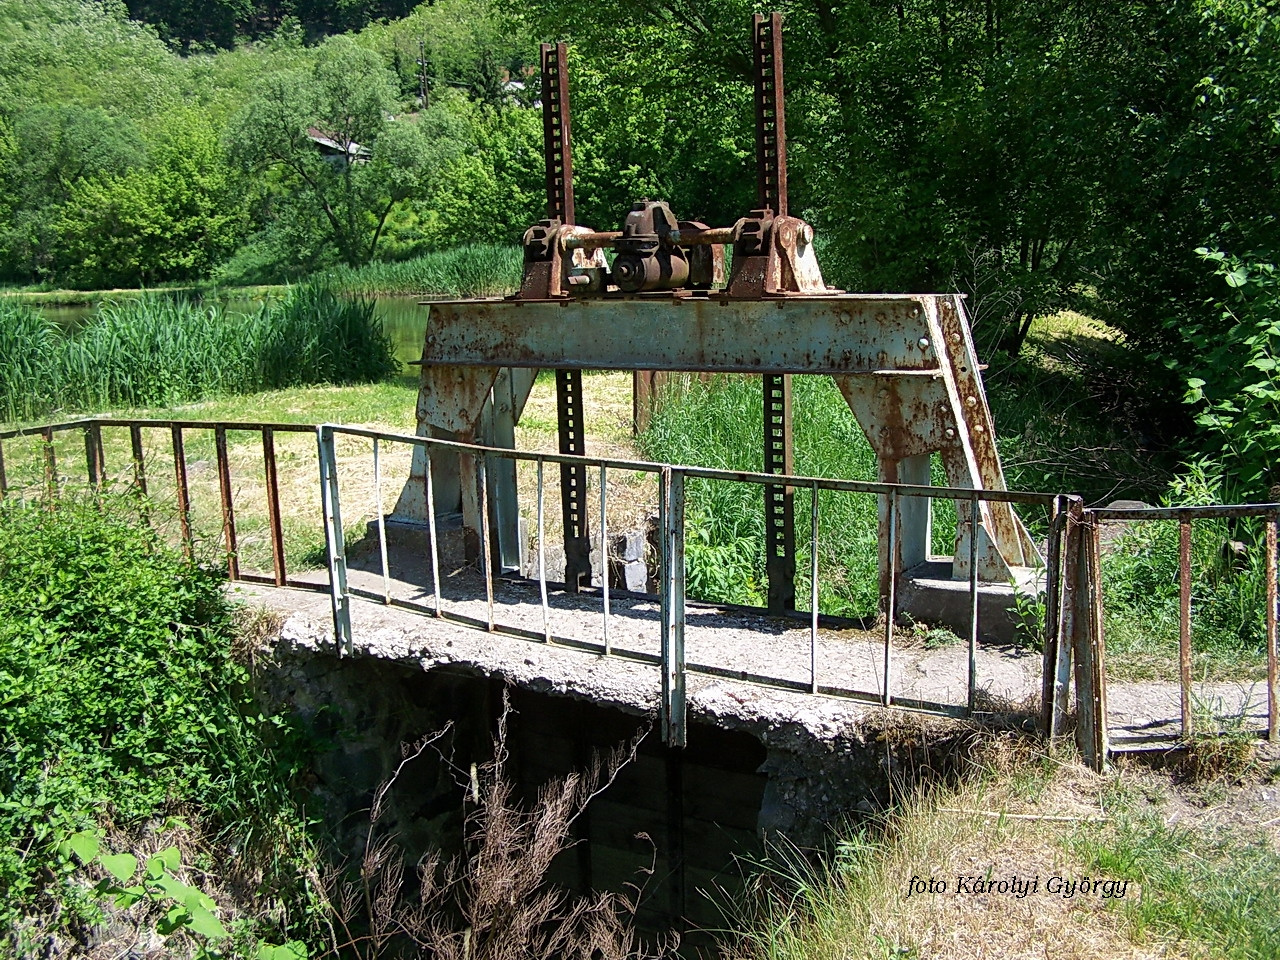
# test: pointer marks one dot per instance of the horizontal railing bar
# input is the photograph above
(710, 473)
(1188, 513)
(160, 424)
(296, 584)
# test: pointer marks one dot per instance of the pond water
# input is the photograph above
(404, 319)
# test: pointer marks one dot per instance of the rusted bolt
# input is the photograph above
(950, 433)
(955, 338)
(883, 394)
(979, 428)
(971, 401)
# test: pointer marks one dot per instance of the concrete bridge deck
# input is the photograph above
(746, 671)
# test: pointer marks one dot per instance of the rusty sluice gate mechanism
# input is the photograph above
(904, 363)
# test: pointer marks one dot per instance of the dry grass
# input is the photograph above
(1009, 823)
(491, 902)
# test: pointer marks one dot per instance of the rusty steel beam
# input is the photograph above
(779, 505)
(834, 335)
(771, 122)
(557, 136)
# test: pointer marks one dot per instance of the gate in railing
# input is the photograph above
(251, 488)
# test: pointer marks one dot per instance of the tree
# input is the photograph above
(52, 151)
(344, 104)
(173, 219)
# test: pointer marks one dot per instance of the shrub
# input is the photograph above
(119, 696)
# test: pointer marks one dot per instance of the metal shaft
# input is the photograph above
(557, 146)
(556, 132)
(771, 121)
(771, 180)
(573, 480)
(779, 506)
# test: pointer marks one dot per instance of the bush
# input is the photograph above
(119, 697)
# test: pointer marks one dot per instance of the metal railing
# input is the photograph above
(671, 658)
(1269, 514)
(176, 432)
(816, 677)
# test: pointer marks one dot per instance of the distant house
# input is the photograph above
(337, 151)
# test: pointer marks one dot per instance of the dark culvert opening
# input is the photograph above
(673, 822)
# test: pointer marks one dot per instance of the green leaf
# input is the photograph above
(167, 859)
(84, 845)
(127, 897)
(176, 918)
(205, 923)
(122, 866)
(293, 950)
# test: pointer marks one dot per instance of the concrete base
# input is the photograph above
(928, 594)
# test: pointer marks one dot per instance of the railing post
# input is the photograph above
(336, 549)
(50, 465)
(975, 524)
(180, 484)
(228, 503)
(891, 600)
(1273, 681)
(93, 454)
(1184, 622)
(671, 507)
(1083, 628)
(1050, 716)
(271, 478)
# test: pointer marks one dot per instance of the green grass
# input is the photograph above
(47, 296)
(474, 270)
(1215, 890)
(1192, 891)
(720, 425)
(162, 350)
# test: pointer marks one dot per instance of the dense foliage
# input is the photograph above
(120, 700)
(1036, 155)
(166, 350)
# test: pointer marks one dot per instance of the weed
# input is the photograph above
(1220, 750)
(1030, 612)
(471, 270)
(491, 902)
(119, 698)
(1228, 592)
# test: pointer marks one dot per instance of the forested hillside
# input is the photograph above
(1118, 159)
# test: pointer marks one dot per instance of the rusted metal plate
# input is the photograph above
(847, 334)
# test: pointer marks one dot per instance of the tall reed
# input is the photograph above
(165, 350)
(473, 270)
